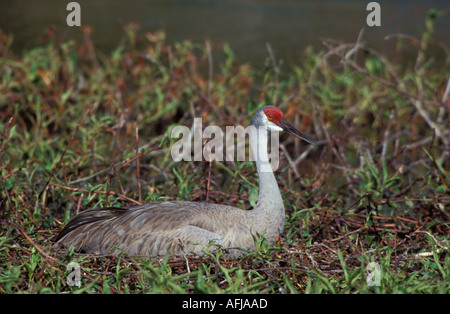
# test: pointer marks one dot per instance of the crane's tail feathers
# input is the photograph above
(87, 217)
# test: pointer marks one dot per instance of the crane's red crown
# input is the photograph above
(274, 115)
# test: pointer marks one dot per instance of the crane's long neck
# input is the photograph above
(269, 199)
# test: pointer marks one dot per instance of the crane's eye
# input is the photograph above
(270, 117)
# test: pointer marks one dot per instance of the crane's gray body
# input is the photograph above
(155, 229)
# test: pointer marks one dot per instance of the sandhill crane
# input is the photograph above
(178, 227)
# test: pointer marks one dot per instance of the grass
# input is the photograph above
(81, 129)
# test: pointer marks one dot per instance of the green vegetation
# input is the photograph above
(81, 129)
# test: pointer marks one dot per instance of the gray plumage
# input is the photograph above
(155, 229)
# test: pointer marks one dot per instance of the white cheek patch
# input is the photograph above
(274, 127)
(270, 125)
(264, 118)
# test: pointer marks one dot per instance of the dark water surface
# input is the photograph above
(247, 25)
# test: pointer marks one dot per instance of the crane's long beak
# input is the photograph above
(289, 128)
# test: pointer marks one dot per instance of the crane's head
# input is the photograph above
(273, 118)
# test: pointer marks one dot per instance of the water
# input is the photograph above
(247, 25)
